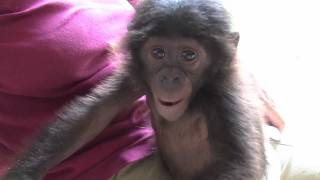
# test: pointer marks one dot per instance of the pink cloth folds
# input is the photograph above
(51, 51)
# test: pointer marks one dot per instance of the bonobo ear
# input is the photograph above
(234, 38)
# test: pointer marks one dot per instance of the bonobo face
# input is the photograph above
(173, 69)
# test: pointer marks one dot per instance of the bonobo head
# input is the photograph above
(174, 68)
(177, 48)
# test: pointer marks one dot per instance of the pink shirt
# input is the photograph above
(50, 51)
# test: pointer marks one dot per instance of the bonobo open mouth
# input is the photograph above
(169, 103)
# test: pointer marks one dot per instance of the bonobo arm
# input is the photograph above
(76, 124)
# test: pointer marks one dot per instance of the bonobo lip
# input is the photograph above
(169, 103)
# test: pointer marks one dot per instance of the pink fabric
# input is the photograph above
(133, 2)
(50, 51)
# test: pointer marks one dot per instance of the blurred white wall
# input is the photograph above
(280, 44)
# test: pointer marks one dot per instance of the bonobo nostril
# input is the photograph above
(169, 79)
(163, 78)
(176, 79)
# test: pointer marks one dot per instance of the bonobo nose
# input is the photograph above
(171, 77)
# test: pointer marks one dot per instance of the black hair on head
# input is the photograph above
(201, 19)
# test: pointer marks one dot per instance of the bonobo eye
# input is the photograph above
(189, 55)
(158, 53)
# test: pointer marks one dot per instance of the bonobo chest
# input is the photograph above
(183, 143)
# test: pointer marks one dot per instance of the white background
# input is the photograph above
(280, 44)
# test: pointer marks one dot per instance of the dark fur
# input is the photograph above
(233, 121)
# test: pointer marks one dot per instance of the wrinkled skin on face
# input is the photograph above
(174, 67)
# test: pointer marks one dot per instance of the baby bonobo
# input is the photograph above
(206, 127)
(181, 54)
